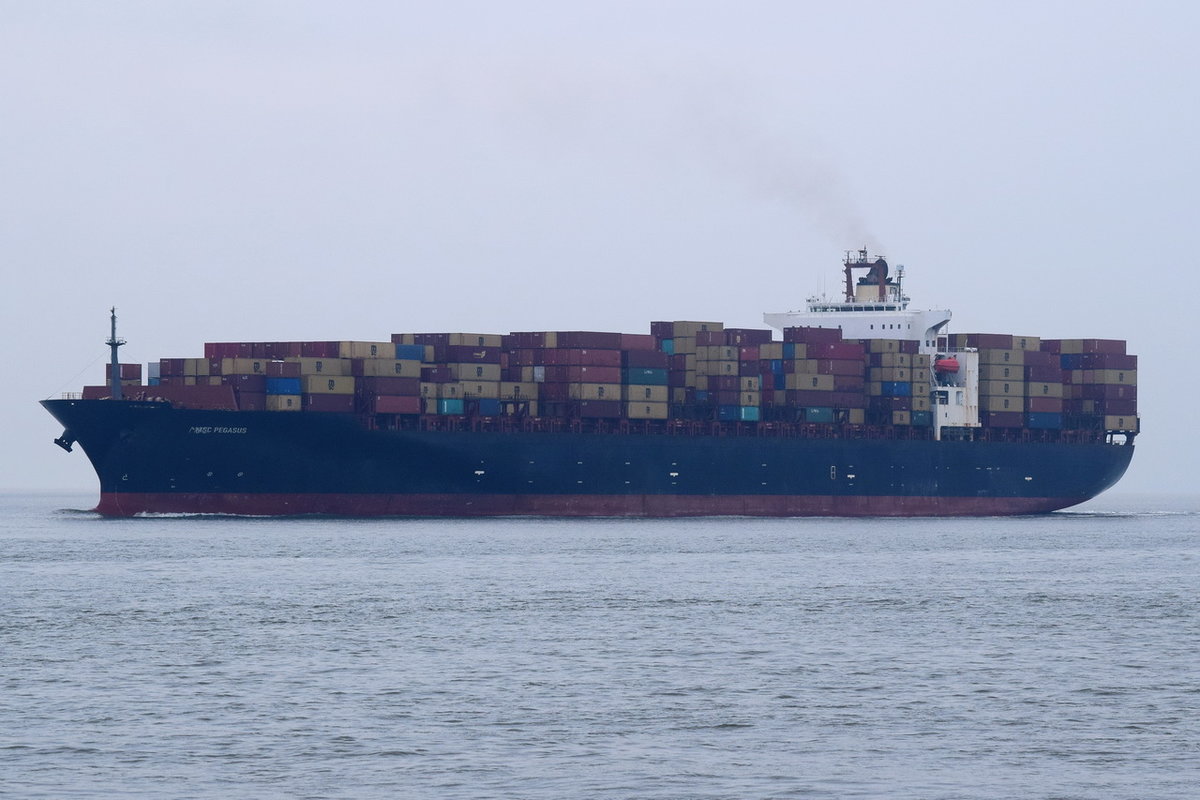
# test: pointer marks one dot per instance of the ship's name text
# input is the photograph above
(214, 429)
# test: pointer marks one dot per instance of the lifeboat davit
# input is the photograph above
(946, 366)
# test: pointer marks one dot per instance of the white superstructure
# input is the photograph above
(874, 309)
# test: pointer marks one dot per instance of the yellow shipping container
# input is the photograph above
(989, 355)
(750, 383)
(920, 361)
(518, 390)
(808, 381)
(1128, 377)
(642, 410)
(328, 384)
(689, 378)
(750, 399)
(527, 408)
(485, 389)
(1001, 372)
(690, 329)
(1002, 388)
(1042, 389)
(902, 418)
(679, 394)
(284, 402)
(244, 366)
(476, 339)
(1071, 346)
(366, 350)
(857, 416)
(639, 392)
(381, 367)
(1128, 422)
(477, 372)
(196, 366)
(594, 391)
(1027, 343)
(895, 360)
(883, 346)
(322, 366)
(685, 345)
(1002, 403)
(920, 403)
(890, 374)
(771, 350)
(804, 365)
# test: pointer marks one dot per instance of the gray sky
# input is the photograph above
(300, 170)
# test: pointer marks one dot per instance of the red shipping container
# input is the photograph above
(812, 335)
(1053, 374)
(1041, 358)
(1041, 405)
(557, 391)
(746, 336)
(724, 383)
(646, 359)
(169, 367)
(589, 340)
(710, 338)
(254, 384)
(910, 346)
(129, 372)
(588, 374)
(1107, 361)
(465, 354)
(1122, 407)
(219, 398)
(809, 397)
(662, 330)
(748, 352)
(676, 378)
(991, 341)
(890, 403)
(320, 349)
(841, 366)
(1109, 391)
(397, 404)
(638, 341)
(836, 350)
(252, 401)
(849, 400)
(437, 375)
(748, 368)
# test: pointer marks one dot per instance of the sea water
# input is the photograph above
(1049, 656)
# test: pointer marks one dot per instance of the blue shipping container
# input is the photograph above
(450, 405)
(701, 396)
(818, 414)
(283, 386)
(749, 413)
(922, 419)
(1045, 420)
(780, 382)
(668, 346)
(644, 376)
(897, 389)
(777, 366)
(789, 350)
(1071, 360)
(412, 352)
(489, 407)
(729, 413)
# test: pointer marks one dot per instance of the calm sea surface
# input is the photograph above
(174, 657)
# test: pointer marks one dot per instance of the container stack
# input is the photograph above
(1099, 383)
(897, 383)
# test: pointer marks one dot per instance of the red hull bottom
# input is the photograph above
(125, 504)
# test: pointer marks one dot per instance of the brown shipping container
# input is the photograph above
(1049, 374)
(681, 328)
(252, 401)
(1003, 419)
(329, 403)
(1042, 405)
(246, 383)
(991, 341)
(327, 384)
(128, 372)
(748, 336)
(645, 359)
(600, 409)
(389, 386)
(812, 335)
(283, 369)
(284, 402)
(1041, 358)
(1107, 361)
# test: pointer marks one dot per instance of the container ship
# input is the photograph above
(856, 406)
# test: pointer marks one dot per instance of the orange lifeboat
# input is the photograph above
(946, 366)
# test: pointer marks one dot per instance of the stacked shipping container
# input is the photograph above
(685, 370)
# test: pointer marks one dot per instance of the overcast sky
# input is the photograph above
(299, 170)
